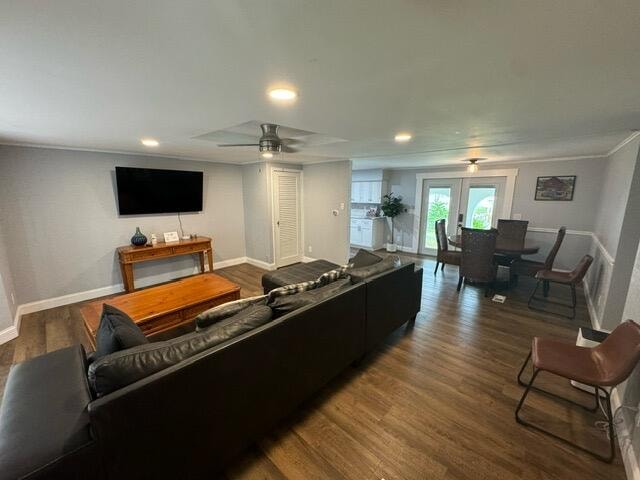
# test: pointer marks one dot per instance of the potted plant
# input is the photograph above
(392, 207)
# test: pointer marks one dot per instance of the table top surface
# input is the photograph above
(163, 299)
(504, 245)
(191, 241)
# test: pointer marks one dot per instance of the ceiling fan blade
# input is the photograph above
(290, 141)
(239, 145)
(287, 149)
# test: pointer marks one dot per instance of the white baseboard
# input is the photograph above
(624, 433)
(8, 334)
(260, 264)
(308, 259)
(227, 263)
(402, 248)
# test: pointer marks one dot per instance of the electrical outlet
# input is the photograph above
(310, 248)
(341, 205)
(13, 298)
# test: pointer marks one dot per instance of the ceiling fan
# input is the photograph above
(269, 141)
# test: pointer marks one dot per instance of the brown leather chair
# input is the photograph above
(477, 263)
(606, 365)
(444, 255)
(571, 279)
(529, 268)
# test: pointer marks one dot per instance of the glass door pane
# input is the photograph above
(440, 200)
(438, 207)
(480, 207)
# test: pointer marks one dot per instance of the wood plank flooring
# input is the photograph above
(436, 401)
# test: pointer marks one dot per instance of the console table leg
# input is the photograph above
(210, 259)
(201, 256)
(127, 276)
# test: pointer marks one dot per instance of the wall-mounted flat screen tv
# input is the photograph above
(147, 190)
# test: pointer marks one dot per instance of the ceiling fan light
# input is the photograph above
(403, 137)
(267, 155)
(283, 94)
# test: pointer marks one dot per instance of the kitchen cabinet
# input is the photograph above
(367, 192)
(367, 232)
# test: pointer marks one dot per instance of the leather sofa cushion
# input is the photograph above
(286, 304)
(116, 332)
(226, 310)
(364, 258)
(128, 366)
(360, 274)
(44, 418)
(300, 272)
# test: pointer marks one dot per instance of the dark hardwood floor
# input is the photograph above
(436, 401)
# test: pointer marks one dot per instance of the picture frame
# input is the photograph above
(170, 237)
(555, 188)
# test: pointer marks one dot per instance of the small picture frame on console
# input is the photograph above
(171, 237)
(555, 188)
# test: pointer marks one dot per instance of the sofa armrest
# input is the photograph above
(44, 424)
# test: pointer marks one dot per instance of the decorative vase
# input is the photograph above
(138, 238)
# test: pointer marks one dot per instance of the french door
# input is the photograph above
(473, 202)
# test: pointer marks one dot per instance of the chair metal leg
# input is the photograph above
(545, 288)
(606, 458)
(572, 306)
(436, 270)
(442, 267)
(460, 283)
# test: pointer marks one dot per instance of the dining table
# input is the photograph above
(504, 245)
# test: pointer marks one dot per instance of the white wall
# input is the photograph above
(7, 306)
(613, 211)
(257, 213)
(326, 186)
(61, 224)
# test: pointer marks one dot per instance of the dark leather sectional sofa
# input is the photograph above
(191, 419)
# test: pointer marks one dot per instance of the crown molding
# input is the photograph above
(623, 143)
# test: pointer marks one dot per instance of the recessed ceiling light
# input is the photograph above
(267, 155)
(149, 142)
(403, 137)
(283, 94)
(457, 132)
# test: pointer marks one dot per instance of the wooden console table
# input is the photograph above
(130, 254)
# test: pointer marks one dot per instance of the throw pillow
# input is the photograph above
(116, 332)
(360, 274)
(291, 289)
(333, 275)
(364, 258)
(226, 310)
(288, 303)
(128, 366)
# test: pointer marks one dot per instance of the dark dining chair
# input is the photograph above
(529, 268)
(570, 279)
(477, 263)
(513, 230)
(607, 365)
(444, 255)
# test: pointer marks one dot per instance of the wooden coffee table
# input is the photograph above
(162, 308)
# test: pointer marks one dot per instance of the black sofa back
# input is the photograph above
(191, 419)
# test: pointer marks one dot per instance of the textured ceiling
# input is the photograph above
(501, 79)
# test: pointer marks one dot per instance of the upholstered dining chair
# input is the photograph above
(602, 367)
(444, 255)
(529, 268)
(570, 279)
(477, 262)
(515, 231)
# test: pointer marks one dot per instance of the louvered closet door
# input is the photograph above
(286, 203)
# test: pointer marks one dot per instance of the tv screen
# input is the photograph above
(147, 190)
